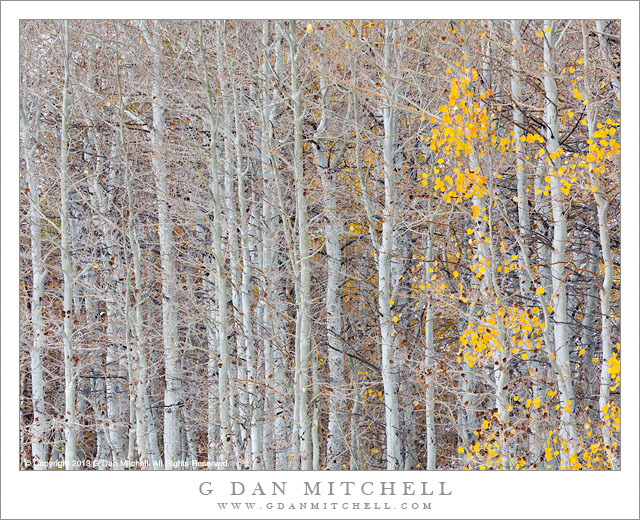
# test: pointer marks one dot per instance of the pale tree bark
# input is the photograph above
(602, 203)
(70, 369)
(221, 319)
(172, 396)
(385, 283)
(304, 353)
(430, 350)
(518, 123)
(254, 430)
(327, 164)
(524, 220)
(273, 301)
(266, 257)
(29, 124)
(558, 253)
(238, 403)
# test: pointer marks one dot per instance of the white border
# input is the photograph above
(162, 495)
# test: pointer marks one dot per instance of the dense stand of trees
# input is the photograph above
(320, 244)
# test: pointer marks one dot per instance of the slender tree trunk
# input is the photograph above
(518, 124)
(253, 447)
(430, 350)
(70, 370)
(303, 387)
(220, 268)
(173, 377)
(605, 245)
(385, 284)
(39, 451)
(333, 301)
(558, 254)
(274, 304)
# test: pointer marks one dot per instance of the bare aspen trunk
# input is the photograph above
(273, 302)
(385, 284)
(558, 254)
(70, 370)
(220, 269)
(39, 451)
(238, 400)
(172, 396)
(333, 302)
(253, 444)
(303, 387)
(518, 123)
(605, 245)
(429, 352)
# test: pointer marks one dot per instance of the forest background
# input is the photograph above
(482, 413)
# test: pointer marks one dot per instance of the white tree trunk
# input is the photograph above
(385, 284)
(70, 371)
(172, 396)
(333, 301)
(254, 437)
(518, 123)
(221, 280)
(303, 387)
(558, 254)
(602, 204)
(29, 131)
(429, 352)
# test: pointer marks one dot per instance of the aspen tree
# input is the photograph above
(304, 349)
(602, 204)
(70, 370)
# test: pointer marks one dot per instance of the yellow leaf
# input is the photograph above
(395, 319)
(309, 27)
(540, 291)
